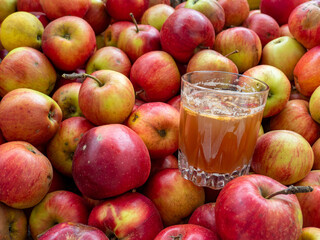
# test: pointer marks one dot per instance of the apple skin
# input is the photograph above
(70, 230)
(122, 152)
(170, 193)
(155, 74)
(310, 233)
(29, 115)
(175, 102)
(180, 5)
(29, 5)
(155, 2)
(26, 67)
(68, 42)
(120, 9)
(57, 207)
(285, 31)
(13, 223)
(242, 201)
(235, 11)
(7, 7)
(111, 34)
(157, 124)
(316, 151)
(26, 175)
(314, 104)
(157, 15)
(42, 18)
(109, 58)
(296, 117)
(246, 41)
(176, 37)
(306, 76)
(304, 23)
(131, 216)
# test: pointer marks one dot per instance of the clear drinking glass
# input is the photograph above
(220, 117)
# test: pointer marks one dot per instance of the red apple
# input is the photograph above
(111, 34)
(180, 5)
(157, 15)
(316, 151)
(42, 18)
(284, 30)
(155, 2)
(59, 182)
(120, 9)
(169, 161)
(175, 102)
(235, 11)
(29, 5)
(182, 44)
(26, 174)
(310, 233)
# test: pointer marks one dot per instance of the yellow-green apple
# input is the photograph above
(279, 87)
(157, 123)
(185, 32)
(314, 104)
(139, 39)
(29, 5)
(155, 77)
(169, 161)
(131, 216)
(57, 207)
(155, 2)
(60, 149)
(254, 4)
(283, 53)
(21, 29)
(246, 208)
(316, 151)
(120, 9)
(123, 154)
(68, 42)
(309, 201)
(296, 117)
(109, 58)
(60, 8)
(29, 115)
(100, 41)
(310, 233)
(170, 192)
(175, 102)
(97, 16)
(304, 23)
(211, 60)
(70, 230)
(157, 15)
(283, 155)
(186, 232)
(280, 10)
(306, 75)
(111, 34)
(26, 67)
(235, 11)
(26, 174)
(109, 98)
(6, 8)
(261, 131)
(284, 30)
(42, 18)
(243, 40)
(211, 9)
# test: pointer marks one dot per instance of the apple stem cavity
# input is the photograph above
(81, 75)
(233, 52)
(292, 190)
(134, 21)
(179, 237)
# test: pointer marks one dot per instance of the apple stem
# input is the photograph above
(134, 21)
(233, 52)
(139, 92)
(179, 237)
(292, 190)
(81, 75)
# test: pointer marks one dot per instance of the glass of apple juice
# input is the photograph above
(220, 117)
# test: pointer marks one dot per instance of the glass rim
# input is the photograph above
(183, 78)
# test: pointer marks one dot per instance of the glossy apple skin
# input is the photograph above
(243, 200)
(120, 9)
(29, 5)
(169, 161)
(68, 42)
(186, 232)
(157, 74)
(176, 37)
(235, 11)
(310, 233)
(157, 15)
(63, 231)
(122, 152)
(111, 34)
(175, 102)
(26, 175)
(130, 216)
(304, 23)
(296, 117)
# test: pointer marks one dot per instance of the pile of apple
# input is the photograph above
(89, 119)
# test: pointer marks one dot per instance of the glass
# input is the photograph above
(220, 117)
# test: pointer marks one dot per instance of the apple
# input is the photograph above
(306, 76)
(279, 87)
(129, 216)
(26, 174)
(182, 44)
(180, 5)
(61, 148)
(123, 154)
(186, 232)
(284, 30)
(100, 41)
(316, 151)
(235, 11)
(211, 9)
(295, 94)
(29, 115)
(70, 230)
(169, 161)
(155, 2)
(157, 15)
(109, 58)
(283, 53)
(296, 117)
(175, 102)
(243, 40)
(63, 81)
(57, 207)
(68, 42)
(120, 9)
(314, 105)
(310, 233)
(155, 77)
(111, 34)
(59, 182)
(42, 18)
(26, 67)
(170, 193)
(246, 208)
(304, 23)
(254, 4)
(7, 7)
(29, 5)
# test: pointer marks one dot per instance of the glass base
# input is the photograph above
(203, 179)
